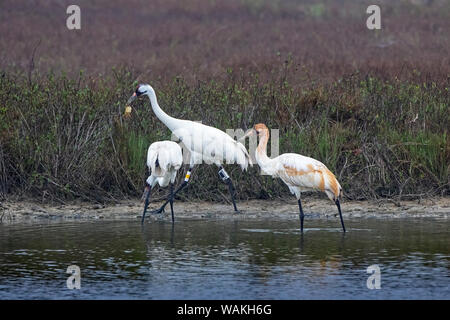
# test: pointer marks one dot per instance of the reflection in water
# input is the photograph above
(225, 260)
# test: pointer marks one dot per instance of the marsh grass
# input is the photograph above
(62, 138)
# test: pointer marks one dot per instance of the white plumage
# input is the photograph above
(298, 172)
(211, 145)
(302, 174)
(203, 142)
(164, 159)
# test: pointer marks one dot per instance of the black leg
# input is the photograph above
(171, 202)
(181, 187)
(232, 192)
(147, 201)
(338, 204)
(302, 216)
(226, 178)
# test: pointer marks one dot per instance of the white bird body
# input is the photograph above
(203, 142)
(164, 159)
(302, 174)
(298, 172)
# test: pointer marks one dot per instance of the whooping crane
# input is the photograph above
(298, 172)
(164, 159)
(208, 143)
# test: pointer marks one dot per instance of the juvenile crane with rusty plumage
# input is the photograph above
(298, 172)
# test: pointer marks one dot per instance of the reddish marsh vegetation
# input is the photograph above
(371, 104)
(200, 39)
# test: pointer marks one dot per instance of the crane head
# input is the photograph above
(260, 128)
(257, 129)
(140, 90)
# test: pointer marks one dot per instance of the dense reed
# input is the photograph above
(63, 138)
(373, 105)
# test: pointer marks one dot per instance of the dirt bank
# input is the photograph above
(255, 209)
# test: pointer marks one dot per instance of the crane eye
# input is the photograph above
(138, 93)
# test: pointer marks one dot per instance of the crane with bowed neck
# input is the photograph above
(164, 159)
(205, 143)
(298, 172)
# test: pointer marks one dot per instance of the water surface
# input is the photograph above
(226, 259)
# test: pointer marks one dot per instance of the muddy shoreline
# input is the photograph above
(14, 211)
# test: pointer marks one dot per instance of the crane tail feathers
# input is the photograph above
(333, 188)
(162, 157)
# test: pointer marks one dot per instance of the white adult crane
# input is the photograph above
(205, 143)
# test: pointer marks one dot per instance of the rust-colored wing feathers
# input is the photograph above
(308, 174)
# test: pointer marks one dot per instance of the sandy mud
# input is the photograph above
(13, 211)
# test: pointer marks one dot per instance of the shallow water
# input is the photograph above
(226, 259)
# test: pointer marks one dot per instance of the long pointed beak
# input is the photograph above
(132, 98)
(250, 132)
(128, 107)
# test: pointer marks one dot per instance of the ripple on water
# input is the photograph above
(226, 260)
